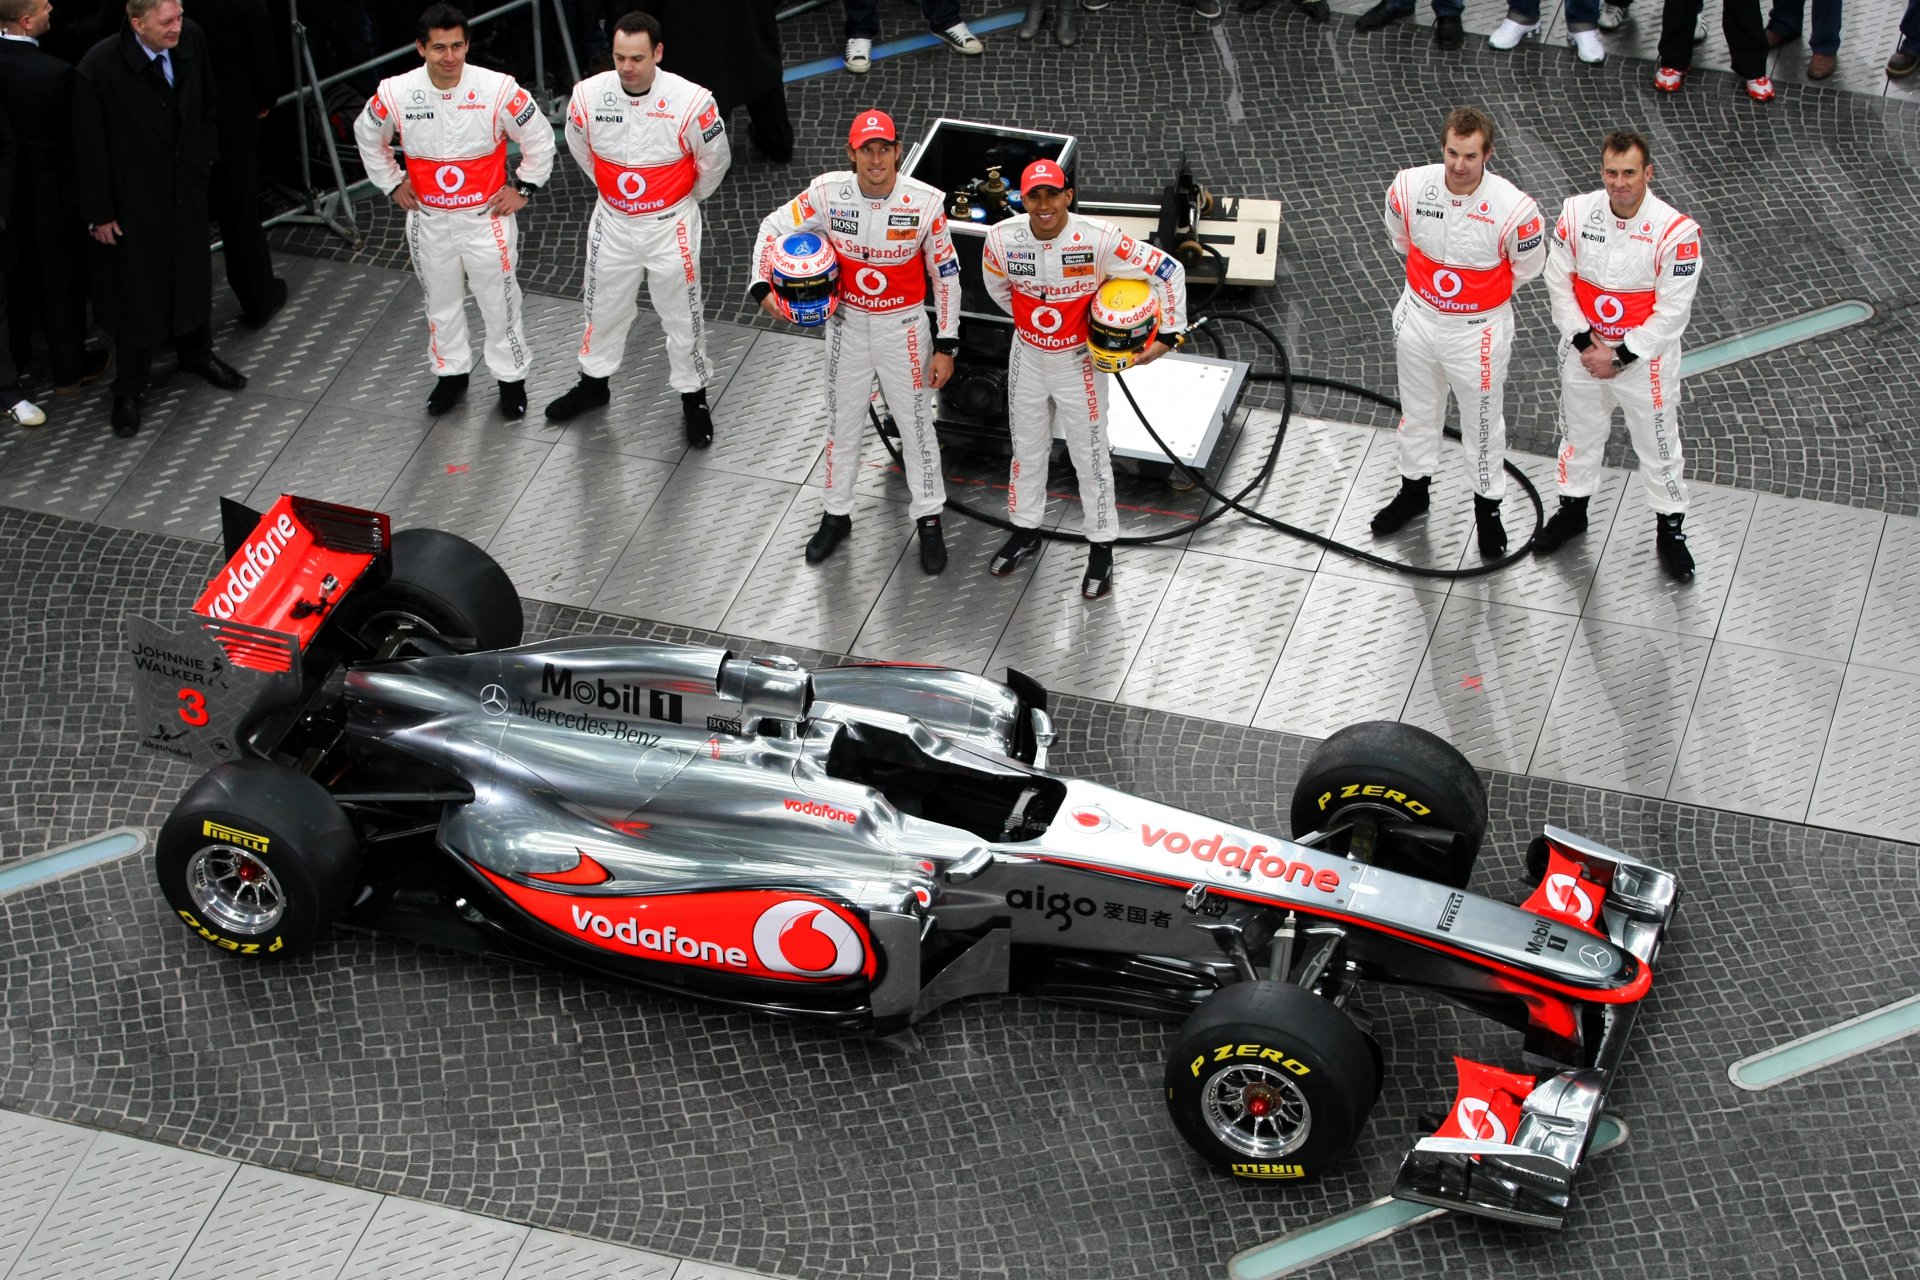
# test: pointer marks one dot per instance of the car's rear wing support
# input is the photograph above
(1527, 1178)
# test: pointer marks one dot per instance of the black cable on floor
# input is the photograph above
(1289, 380)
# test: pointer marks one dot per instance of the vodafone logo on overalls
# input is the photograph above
(1609, 308)
(870, 282)
(450, 178)
(1047, 319)
(631, 185)
(1446, 283)
(1565, 893)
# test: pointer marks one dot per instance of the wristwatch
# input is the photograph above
(1617, 362)
(527, 190)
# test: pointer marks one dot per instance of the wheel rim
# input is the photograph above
(234, 889)
(1256, 1111)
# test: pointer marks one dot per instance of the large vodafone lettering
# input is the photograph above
(758, 932)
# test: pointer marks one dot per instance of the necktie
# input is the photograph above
(166, 67)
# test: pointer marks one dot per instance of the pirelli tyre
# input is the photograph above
(1395, 796)
(440, 583)
(1271, 1082)
(257, 860)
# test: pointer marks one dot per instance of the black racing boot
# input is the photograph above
(1036, 14)
(933, 545)
(1099, 576)
(1411, 501)
(446, 393)
(588, 393)
(1023, 543)
(1486, 523)
(1671, 543)
(1568, 522)
(513, 399)
(699, 421)
(827, 537)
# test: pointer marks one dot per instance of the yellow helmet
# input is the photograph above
(1122, 323)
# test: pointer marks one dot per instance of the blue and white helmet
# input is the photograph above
(806, 279)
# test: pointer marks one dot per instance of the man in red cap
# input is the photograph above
(655, 146)
(1044, 269)
(890, 238)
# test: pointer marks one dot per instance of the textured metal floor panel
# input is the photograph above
(823, 605)
(952, 620)
(330, 306)
(128, 1213)
(1872, 756)
(643, 418)
(1889, 634)
(1559, 582)
(74, 468)
(465, 480)
(407, 1240)
(767, 421)
(1309, 486)
(342, 453)
(573, 520)
(1351, 656)
(548, 1255)
(1487, 677)
(40, 1157)
(698, 542)
(1630, 586)
(1802, 577)
(1435, 540)
(216, 443)
(1084, 646)
(1621, 707)
(1218, 634)
(1758, 728)
(271, 1225)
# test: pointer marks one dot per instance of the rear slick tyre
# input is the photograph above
(1271, 1082)
(440, 582)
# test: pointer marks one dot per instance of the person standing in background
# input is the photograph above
(240, 49)
(735, 52)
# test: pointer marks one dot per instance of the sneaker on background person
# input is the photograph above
(1510, 33)
(859, 56)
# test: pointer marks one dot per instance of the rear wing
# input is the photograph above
(1512, 1144)
(200, 689)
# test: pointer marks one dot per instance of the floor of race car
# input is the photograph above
(432, 1113)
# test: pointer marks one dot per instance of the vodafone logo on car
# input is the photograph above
(1477, 1119)
(806, 940)
(1567, 896)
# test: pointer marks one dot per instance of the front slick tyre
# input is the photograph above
(1402, 798)
(1269, 1081)
(257, 859)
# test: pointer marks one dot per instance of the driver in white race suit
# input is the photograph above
(1045, 269)
(453, 121)
(889, 235)
(655, 146)
(1469, 238)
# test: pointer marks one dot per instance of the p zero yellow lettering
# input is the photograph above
(1278, 1057)
(1374, 790)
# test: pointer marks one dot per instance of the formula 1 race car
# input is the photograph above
(860, 845)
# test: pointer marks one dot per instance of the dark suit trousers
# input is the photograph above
(1740, 20)
(132, 364)
(48, 283)
(233, 197)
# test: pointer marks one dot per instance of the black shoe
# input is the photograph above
(1380, 15)
(588, 393)
(513, 399)
(126, 415)
(93, 364)
(933, 545)
(1030, 25)
(1562, 527)
(446, 393)
(1207, 8)
(1023, 543)
(1486, 523)
(217, 373)
(1671, 543)
(1447, 31)
(276, 299)
(698, 419)
(1099, 576)
(1316, 10)
(1411, 501)
(1066, 27)
(827, 537)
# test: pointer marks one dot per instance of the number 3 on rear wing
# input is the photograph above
(199, 690)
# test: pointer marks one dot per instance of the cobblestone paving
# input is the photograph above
(1023, 1139)
(1806, 202)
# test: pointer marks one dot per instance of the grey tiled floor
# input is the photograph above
(1590, 667)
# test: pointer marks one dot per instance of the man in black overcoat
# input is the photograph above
(241, 52)
(46, 281)
(145, 142)
(734, 50)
